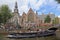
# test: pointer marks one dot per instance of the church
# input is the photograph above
(29, 19)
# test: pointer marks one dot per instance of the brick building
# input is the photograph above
(29, 19)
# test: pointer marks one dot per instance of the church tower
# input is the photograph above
(16, 8)
(15, 20)
(16, 14)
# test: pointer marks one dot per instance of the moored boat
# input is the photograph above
(48, 32)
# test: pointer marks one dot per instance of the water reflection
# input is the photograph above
(55, 37)
(37, 38)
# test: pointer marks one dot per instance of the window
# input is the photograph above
(31, 17)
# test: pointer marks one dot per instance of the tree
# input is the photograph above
(0, 18)
(47, 19)
(56, 20)
(5, 14)
(58, 1)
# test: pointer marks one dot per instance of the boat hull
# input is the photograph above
(31, 35)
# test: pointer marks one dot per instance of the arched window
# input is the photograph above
(31, 17)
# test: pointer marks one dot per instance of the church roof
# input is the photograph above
(24, 13)
(30, 10)
(42, 17)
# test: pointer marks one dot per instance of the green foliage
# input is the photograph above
(5, 14)
(58, 1)
(56, 20)
(47, 19)
(0, 18)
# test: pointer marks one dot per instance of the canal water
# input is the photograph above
(55, 37)
(37, 38)
(40, 38)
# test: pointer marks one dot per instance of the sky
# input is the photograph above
(41, 6)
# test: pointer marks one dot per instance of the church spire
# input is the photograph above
(16, 7)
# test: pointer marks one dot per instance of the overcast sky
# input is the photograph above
(41, 6)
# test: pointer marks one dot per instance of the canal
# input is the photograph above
(40, 38)
(55, 37)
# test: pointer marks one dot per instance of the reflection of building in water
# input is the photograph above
(30, 18)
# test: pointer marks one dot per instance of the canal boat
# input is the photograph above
(49, 32)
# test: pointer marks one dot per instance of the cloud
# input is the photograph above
(26, 4)
(37, 5)
(24, 8)
(6, 1)
(10, 3)
(59, 16)
(58, 7)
